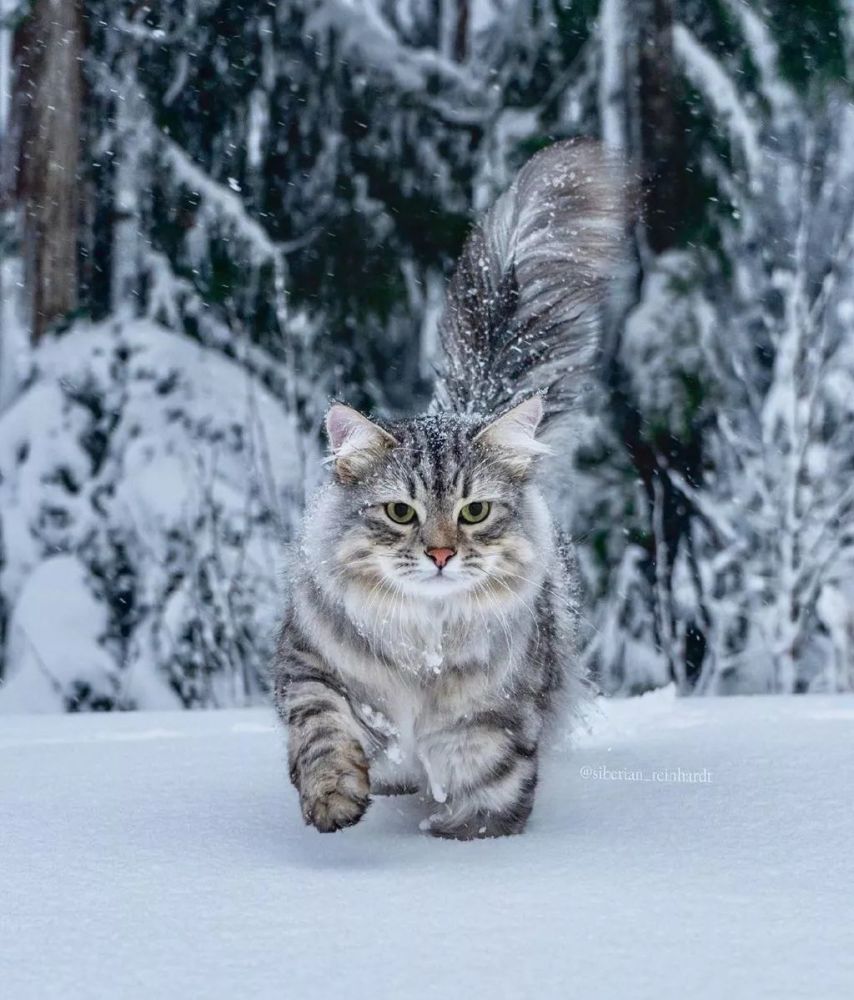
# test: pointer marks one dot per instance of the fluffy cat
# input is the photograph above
(430, 625)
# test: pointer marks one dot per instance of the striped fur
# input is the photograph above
(394, 673)
(523, 306)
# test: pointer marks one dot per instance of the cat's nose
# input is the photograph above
(441, 556)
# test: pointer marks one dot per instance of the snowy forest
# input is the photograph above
(215, 217)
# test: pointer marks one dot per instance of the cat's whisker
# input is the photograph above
(502, 621)
(523, 603)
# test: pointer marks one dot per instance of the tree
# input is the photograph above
(703, 104)
(48, 57)
(284, 187)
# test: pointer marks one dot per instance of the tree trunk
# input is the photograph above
(461, 31)
(48, 58)
(659, 148)
(663, 130)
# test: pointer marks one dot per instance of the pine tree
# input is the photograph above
(700, 98)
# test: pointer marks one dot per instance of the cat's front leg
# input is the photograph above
(483, 771)
(328, 763)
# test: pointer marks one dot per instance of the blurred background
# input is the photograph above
(216, 215)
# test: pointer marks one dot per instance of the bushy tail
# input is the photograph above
(523, 305)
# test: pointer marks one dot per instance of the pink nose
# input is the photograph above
(441, 556)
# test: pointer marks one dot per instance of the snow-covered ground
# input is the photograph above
(162, 855)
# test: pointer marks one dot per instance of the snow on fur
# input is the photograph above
(522, 309)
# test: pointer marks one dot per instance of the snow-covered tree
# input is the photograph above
(147, 485)
(273, 194)
(738, 85)
(777, 515)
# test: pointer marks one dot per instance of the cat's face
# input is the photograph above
(436, 506)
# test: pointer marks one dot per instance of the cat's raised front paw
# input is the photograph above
(337, 794)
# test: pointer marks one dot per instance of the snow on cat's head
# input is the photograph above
(433, 507)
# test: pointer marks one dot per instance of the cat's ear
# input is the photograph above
(355, 441)
(514, 434)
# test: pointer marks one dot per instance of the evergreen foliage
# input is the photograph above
(287, 185)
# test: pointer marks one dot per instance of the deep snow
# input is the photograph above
(162, 855)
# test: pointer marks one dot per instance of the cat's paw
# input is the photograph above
(480, 826)
(336, 794)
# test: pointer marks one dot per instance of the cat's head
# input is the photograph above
(436, 506)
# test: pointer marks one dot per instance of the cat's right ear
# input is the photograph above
(514, 434)
(356, 442)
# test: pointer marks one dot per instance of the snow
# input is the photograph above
(15, 341)
(612, 21)
(709, 77)
(765, 54)
(366, 34)
(57, 584)
(162, 854)
(7, 9)
(222, 200)
(135, 447)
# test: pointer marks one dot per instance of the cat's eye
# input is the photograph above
(399, 512)
(475, 512)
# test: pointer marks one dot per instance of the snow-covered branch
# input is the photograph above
(708, 75)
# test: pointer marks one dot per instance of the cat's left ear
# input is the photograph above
(356, 442)
(514, 434)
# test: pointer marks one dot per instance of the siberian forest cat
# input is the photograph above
(429, 633)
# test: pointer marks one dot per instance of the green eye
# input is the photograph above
(474, 512)
(399, 512)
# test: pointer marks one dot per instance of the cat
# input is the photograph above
(429, 635)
